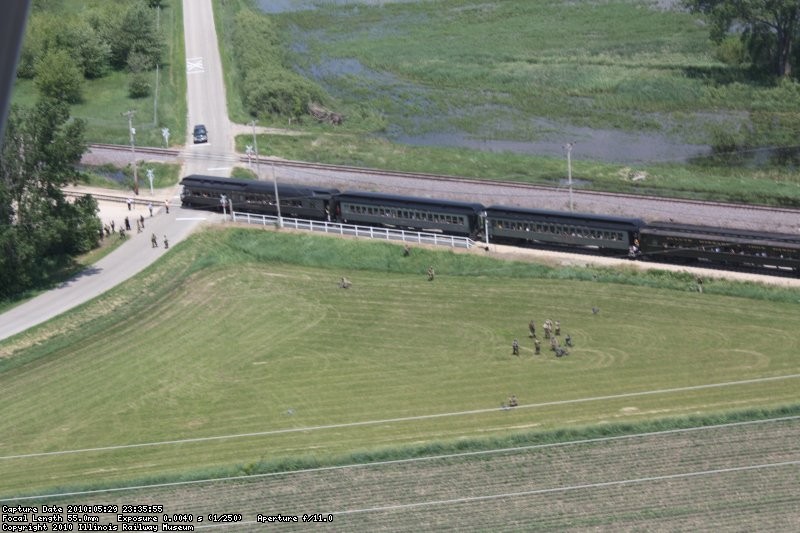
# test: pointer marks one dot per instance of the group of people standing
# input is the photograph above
(111, 228)
(552, 333)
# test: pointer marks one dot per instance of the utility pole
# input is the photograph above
(277, 200)
(132, 132)
(568, 147)
(258, 174)
(155, 101)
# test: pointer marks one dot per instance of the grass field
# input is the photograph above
(727, 477)
(240, 344)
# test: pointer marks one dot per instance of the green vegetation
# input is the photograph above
(530, 71)
(116, 47)
(112, 177)
(243, 173)
(768, 32)
(286, 353)
(268, 86)
(40, 231)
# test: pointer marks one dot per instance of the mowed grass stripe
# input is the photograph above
(397, 420)
(222, 337)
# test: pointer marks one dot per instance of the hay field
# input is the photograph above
(728, 477)
(223, 359)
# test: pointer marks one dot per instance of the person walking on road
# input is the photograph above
(166, 205)
(154, 240)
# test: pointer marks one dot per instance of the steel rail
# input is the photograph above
(301, 165)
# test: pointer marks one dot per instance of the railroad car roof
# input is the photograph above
(264, 187)
(407, 201)
(561, 216)
(726, 234)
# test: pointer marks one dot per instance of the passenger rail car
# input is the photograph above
(723, 247)
(419, 214)
(257, 197)
(606, 234)
(767, 253)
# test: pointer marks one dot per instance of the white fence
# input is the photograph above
(356, 231)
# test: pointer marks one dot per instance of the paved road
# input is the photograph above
(205, 94)
(206, 104)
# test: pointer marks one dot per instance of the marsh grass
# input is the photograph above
(520, 70)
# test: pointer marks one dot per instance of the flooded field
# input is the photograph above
(509, 77)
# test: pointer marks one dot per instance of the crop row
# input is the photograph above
(682, 478)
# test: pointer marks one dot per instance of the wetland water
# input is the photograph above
(416, 120)
(424, 116)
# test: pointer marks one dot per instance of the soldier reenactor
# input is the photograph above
(532, 328)
(515, 347)
(553, 343)
(431, 273)
(537, 346)
(406, 250)
(512, 402)
(344, 283)
(166, 242)
(568, 340)
(558, 327)
(107, 230)
(546, 328)
(154, 240)
(561, 352)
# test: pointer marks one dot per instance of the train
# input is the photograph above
(633, 238)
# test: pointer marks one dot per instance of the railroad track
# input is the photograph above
(455, 180)
(139, 149)
(120, 198)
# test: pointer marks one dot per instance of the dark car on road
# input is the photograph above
(200, 134)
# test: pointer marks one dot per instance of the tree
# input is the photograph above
(39, 228)
(770, 28)
(58, 77)
(137, 33)
(48, 32)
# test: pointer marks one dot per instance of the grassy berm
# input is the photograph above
(243, 331)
